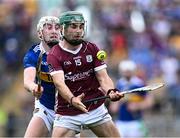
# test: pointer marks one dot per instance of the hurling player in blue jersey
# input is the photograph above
(129, 119)
(48, 29)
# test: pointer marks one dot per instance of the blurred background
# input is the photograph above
(145, 31)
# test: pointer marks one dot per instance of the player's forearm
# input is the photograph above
(29, 85)
(29, 78)
(104, 80)
(64, 91)
(106, 84)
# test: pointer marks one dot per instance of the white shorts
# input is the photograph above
(90, 119)
(131, 128)
(46, 114)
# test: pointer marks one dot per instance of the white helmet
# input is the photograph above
(46, 19)
(127, 65)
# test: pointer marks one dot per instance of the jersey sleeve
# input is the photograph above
(29, 59)
(53, 64)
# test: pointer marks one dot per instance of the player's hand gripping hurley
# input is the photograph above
(147, 88)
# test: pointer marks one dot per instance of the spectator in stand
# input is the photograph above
(129, 112)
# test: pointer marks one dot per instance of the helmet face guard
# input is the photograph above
(68, 18)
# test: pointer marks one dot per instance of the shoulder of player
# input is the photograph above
(90, 46)
(33, 50)
(87, 43)
(32, 54)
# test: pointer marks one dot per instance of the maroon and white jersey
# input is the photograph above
(79, 69)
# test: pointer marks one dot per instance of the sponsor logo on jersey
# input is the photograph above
(78, 76)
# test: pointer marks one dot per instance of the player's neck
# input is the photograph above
(46, 47)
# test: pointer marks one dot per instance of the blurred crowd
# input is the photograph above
(15, 36)
(144, 31)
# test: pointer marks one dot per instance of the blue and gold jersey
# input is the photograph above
(122, 84)
(30, 60)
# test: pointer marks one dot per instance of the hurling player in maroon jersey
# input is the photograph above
(79, 75)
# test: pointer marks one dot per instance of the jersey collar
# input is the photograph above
(70, 51)
(42, 48)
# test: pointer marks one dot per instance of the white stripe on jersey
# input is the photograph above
(100, 67)
(36, 48)
(54, 72)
